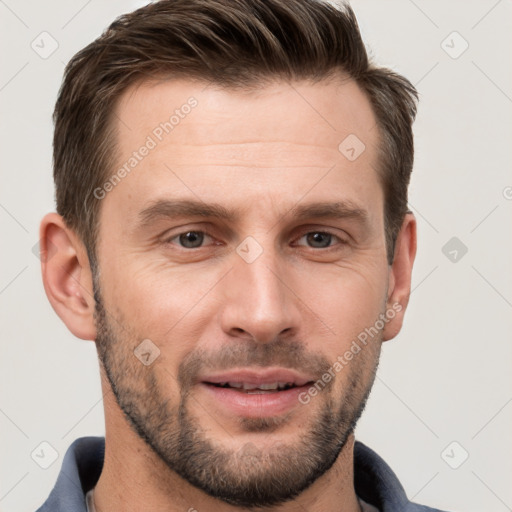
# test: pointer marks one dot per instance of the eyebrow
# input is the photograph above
(163, 209)
(168, 209)
(336, 210)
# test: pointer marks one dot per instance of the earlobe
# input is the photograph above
(400, 277)
(67, 276)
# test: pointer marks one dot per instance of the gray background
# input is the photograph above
(445, 379)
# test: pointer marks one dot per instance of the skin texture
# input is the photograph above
(262, 155)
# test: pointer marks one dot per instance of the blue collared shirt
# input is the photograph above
(374, 480)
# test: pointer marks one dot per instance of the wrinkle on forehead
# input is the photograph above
(319, 115)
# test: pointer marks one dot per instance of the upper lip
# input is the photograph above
(258, 377)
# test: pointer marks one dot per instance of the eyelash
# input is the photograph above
(340, 241)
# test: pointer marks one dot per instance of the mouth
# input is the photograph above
(255, 389)
(252, 393)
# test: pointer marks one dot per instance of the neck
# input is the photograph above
(134, 478)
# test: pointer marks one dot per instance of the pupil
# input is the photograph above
(319, 239)
(191, 239)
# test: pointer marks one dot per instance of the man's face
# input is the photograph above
(251, 251)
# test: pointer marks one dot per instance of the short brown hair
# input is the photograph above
(232, 43)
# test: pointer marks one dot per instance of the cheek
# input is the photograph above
(351, 308)
(163, 303)
(349, 302)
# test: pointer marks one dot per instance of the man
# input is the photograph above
(232, 231)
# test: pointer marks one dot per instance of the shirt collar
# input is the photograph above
(374, 480)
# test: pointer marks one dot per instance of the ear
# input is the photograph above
(67, 276)
(400, 273)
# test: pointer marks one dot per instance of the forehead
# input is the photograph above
(187, 138)
(325, 112)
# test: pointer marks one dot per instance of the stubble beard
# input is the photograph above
(247, 477)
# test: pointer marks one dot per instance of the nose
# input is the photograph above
(259, 301)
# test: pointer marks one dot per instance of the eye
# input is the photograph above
(318, 239)
(190, 239)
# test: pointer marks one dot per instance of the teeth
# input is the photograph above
(269, 386)
(249, 386)
(272, 386)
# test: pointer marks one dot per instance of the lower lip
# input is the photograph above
(257, 405)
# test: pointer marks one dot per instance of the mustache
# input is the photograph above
(291, 354)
